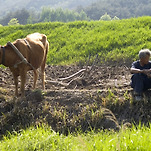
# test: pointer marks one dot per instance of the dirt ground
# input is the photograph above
(98, 98)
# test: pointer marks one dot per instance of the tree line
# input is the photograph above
(121, 8)
(47, 14)
(101, 9)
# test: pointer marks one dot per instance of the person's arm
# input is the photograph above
(134, 70)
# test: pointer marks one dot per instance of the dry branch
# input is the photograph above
(57, 83)
(73, 75)
(76, 77)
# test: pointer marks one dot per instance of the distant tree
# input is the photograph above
(70, 16)
(22, 16)
(33, 17)
(13, 21)
(53, 15)
(120, 8)
(105, 17)
(29, 20)
(83, 15)
(45, 14)
(61, 15)
(115, 18)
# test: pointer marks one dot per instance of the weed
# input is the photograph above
(126, 95)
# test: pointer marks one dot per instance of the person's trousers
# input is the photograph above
(140, 82)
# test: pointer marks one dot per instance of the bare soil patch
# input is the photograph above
(99, 99)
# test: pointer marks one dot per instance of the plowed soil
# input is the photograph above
(100, 98)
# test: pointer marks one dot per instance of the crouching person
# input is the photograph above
(141, 70)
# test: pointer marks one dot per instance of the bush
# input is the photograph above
(105, 17)
(13, 22)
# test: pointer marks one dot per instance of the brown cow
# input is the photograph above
(34, 48)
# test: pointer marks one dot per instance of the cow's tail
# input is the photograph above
(46, 45)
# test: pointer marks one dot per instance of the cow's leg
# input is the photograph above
(43, 75)
(16, 83)
(35, 78)
(23, 81)
(43, 67)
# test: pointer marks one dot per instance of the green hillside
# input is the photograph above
(73, 42)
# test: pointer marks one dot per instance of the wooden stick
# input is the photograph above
(18, 53)
(57, 83)
(71, 76)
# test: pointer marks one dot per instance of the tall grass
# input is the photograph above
(73, 42)
(136, 138)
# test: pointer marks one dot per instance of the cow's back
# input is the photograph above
(33, 48)
(37, 37)
(38, 43)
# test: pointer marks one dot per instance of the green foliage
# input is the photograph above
(115, 18)
(119, 8)
(36, 5)
(61, 15)
(92, 9)
(73, 42)
(105, 17)
(47, 14)
(44, 138)
(21, 15)
(13, 22)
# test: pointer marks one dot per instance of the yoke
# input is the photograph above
(23, 59)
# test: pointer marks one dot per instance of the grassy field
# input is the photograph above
(45, 139)
(73, 42)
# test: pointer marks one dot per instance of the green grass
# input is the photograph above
(136, 138)
(73, 42)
